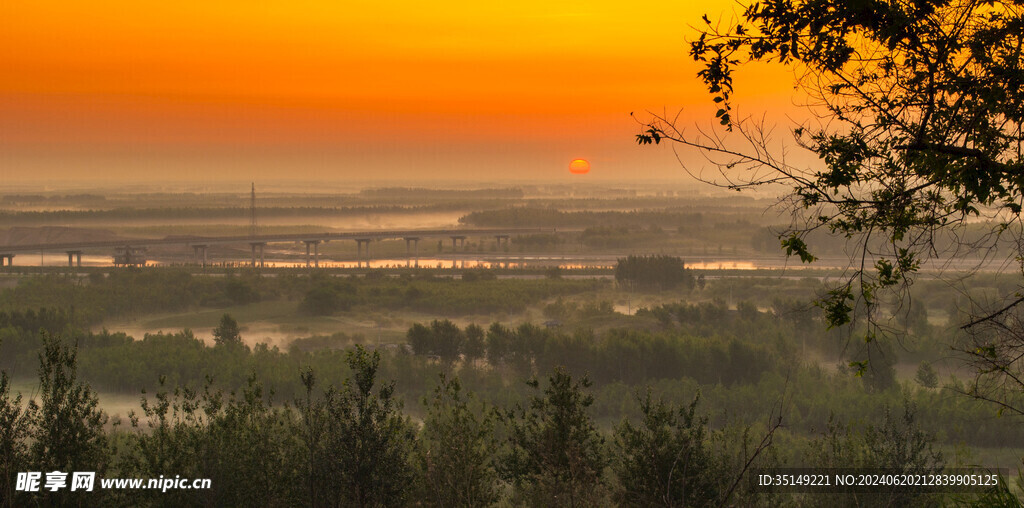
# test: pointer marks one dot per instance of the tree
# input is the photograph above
(653, 272)
(420, 339)
(311, 432)
(499, 344)
(914, 318)
(250, 448)
(227, 332)
(239, 291)
(994, 347)
(327, 297)
(876, 366)
(557, 455)
(896, 444)
(926, 375)
(456, 448)
(240, 441)
(665, 461)
(362, 455)
(168, 440)
(474, 346)
(448, 339)
(15, 428)
(443, 338)
(919, 133)
(68, 434)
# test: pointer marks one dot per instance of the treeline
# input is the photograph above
(552, 217)
(735, 355)
(131, 292)
(418, 193)
(619, 356)
(983, 236)
(695, 229)
(612, 237)
(789, 320)
(88, 301)
(39, 198)
(349, 444)
(473, 294)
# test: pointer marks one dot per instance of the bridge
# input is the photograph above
(132, 251)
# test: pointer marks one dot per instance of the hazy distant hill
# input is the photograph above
(53, 234)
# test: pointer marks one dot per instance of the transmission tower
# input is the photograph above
(252, 211)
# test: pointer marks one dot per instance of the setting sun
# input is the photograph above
(235, 90)
(579, 167)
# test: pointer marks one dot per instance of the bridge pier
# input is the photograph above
(196, 249)
(9, 258)
(415, 254)
(359, 251)
(461, 239)
(73, 256)
(253, 246)
(415, 240)
(316, 252)
(499, 238)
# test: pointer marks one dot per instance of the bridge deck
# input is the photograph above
(304, 237)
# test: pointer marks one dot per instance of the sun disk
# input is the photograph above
(579, 167)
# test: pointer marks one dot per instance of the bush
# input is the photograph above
(327, 298)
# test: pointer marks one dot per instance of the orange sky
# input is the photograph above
(344, 90)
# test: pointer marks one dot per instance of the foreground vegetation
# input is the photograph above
(349, 443)
(480, 412)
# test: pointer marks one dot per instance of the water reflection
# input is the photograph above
(433, 262)
(723, 265)
(285, 259)
(61, 259)
(439, 262)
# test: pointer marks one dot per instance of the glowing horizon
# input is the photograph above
(221, 90)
